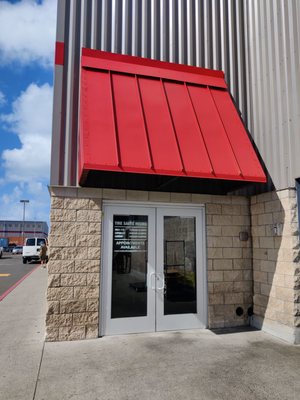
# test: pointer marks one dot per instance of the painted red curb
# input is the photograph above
(17, 283)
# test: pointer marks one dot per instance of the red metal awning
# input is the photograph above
(151, 117)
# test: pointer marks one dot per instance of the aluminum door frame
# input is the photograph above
(114, 326)
(105, 240)
(188, 320)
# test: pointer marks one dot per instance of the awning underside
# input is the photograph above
(143, 124)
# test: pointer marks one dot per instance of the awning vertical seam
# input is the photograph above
(114, 119)
(199, 127)
(144, 119)
(173, 125)
(230, 144)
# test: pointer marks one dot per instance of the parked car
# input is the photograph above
(17, 250)
(1, 252)
(31, 249)
(10, 247)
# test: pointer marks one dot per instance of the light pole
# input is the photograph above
(24, 204)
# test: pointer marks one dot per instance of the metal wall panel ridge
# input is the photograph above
(273, 80)
(188, 32)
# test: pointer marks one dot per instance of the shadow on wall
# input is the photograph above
(276, 281)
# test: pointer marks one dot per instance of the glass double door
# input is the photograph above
(153, 269)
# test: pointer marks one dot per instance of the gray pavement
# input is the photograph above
(22, 332)
(170, 365)
(12, 270)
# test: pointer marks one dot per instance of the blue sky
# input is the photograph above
(27, 38)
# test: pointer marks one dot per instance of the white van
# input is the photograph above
(31, 249)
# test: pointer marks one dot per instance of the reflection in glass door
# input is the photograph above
(129, 266)
(181, 265)
(154, 269)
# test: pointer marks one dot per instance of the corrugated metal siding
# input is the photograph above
(255, 43)
(273, 75)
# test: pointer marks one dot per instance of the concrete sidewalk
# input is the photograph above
(170, 365)
(22, 332)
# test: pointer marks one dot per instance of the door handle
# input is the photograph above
(162, 277)
(151, 280)
(157, 278)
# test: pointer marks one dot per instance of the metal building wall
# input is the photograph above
(218, 34)
(207, 33)
(273, 81)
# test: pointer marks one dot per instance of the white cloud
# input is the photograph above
(35, 188)
(15, 194)
(37, 208)
(31, 120)
(27, 32)
(2, 99)
(10, 204)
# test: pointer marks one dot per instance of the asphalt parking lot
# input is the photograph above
(12, 270)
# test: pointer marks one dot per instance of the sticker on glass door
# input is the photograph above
(129, 266)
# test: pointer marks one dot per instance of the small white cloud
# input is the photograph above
(31, 120)
(10, 204)
(2, 99)
(37, 208)
(27, 32)
(35, 188)
(15, 194)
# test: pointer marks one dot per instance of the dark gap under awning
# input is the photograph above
(151, 125)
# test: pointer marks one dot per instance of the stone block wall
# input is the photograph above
(229, 260)
(73, 267)
(74, 263)
(276, 269)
